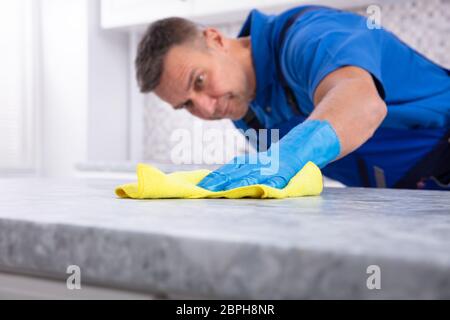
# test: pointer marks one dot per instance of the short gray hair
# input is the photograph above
(159, 38)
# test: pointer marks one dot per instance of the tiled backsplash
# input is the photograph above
(425, 25)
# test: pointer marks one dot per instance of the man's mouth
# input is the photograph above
(220, 113)
(223, 109)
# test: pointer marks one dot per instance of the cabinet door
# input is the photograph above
(229, 11)
(204, 7)
(126, 13)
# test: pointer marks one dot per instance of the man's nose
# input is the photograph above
(206, 104)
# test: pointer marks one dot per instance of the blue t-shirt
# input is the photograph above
(415, 89)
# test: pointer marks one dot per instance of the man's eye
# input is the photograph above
(199, 81)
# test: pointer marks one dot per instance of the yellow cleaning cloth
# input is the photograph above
(154, 184)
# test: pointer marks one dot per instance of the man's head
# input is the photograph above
(198, 69)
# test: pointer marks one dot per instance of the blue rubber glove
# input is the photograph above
(312, 140)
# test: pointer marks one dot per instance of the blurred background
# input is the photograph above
(69, 104)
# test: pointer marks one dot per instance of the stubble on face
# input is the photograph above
(226, 81)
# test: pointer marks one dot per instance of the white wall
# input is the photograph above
(15, 112)
(108, 99)
(64, 85)
(84, 85)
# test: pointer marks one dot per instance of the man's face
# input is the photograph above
(208, 81)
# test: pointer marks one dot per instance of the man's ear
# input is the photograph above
(214, 39)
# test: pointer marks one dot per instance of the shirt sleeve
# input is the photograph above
(324, 42)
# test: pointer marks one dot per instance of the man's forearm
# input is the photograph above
(354, 109)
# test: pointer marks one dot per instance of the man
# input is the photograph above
(366, 108)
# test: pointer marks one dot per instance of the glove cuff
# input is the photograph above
(312, 140)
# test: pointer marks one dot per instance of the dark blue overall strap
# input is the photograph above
(290, 96)
(435, 164)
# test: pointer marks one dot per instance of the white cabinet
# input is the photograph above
(208, 7)
(127, 13)
(132, 13)
(231, 11)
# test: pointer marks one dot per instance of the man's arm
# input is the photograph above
(348, 110)
(349, 100)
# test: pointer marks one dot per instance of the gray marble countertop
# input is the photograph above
(312, 247)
